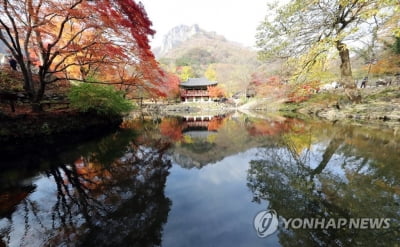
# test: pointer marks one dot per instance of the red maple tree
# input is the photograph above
(216, 91)
(79, 39)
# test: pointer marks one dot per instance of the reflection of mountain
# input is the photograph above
(199, 134)
(208, 140)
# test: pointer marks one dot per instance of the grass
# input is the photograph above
(386, 94)
(326, 99)
(290, 107)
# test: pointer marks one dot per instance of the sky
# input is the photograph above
(237, 20)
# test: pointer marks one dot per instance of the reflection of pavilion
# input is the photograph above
(199, 133)
(199, 129)
(201, 123)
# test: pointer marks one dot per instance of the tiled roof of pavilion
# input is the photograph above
(193, 82)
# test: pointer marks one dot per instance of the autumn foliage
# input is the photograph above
(274, 128)
(215, 123)
(216, 91)
(104, 41)
(385, 66)
(303, 91)
(171, 85)
(266, 86)
(171, 128)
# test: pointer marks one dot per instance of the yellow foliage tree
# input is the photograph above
(185, 72)
(211, 73)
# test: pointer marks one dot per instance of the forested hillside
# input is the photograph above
(207, 54)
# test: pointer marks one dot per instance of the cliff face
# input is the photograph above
(200, 47)
(176, 36)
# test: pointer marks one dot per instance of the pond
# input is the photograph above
(231, 180)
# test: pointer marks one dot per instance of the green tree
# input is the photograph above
(183, 61)
(104, 100)
(307, 30)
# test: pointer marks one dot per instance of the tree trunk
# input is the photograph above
(38, 90)
(28, 82)
(330, 150)
(350, 87)
(34, 90)
(36, 107)
(37, 97)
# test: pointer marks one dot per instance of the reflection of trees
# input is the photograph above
(122, 204)
(104, 198)
(10, 197)
(172, 128)
(328, 179)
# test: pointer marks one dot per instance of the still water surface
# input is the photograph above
(200, 181)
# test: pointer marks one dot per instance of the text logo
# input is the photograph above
(266, 223)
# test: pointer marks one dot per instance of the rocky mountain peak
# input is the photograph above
(177, 35)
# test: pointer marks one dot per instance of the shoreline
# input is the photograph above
(22, 128)
(379, 106)
(184, 109)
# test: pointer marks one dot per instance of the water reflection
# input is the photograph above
(112, 194)
(137, 186)
(326, 171)
(203, 140)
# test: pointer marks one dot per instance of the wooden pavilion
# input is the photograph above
(196, 90)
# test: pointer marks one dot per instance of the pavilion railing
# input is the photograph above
(194, 93)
